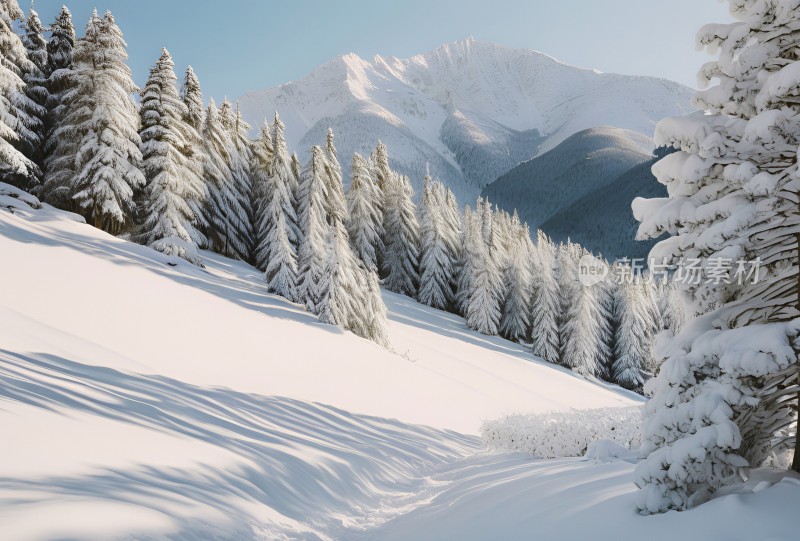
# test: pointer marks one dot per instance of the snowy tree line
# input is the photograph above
(177, 174)
(727, 396)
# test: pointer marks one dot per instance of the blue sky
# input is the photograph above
(241, 45)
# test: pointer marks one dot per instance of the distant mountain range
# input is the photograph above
(582, 190)
(471, 110)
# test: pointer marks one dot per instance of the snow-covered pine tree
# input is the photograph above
(228, 176)
(287, 169)
(438, 247)
(584, 327)
(335, 204)
(636, 327)
(452, 236)
(350, 293)
(20, 122)
(103, 117)
(36, 80)
(515, 320)
(217, 175)
(466, 263)
(545, 303)
(192, 97)
(275, 219)
(483, 298)
(401, 238)
(364, 213)
(260, 172)
(313, 253)
(670, 306)
(726, 395)
(59, 151)
(175, 194)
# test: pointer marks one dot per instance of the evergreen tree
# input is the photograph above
(35, 78)
(364, 214)
(192, 97)
(313, 253)
(466, 263)
(350, 293)
(288, 173)
(438, 257)
(401, 231)
(634, 334)
(217, 175)
(59, 151)
(19, 114)
(228, 178)
(260, 170)
(335, 205)
(482, 304)
(276, 219)
(545, 304)
(175, 193)
(102, 116)
(727, 396)
(584, 342)
(515, 321)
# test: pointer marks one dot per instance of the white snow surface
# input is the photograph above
(442, 106)
(142, 397)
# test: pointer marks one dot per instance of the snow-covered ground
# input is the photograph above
(144, 398)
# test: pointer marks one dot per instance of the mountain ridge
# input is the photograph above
(471, 109)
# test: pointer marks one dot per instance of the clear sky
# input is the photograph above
(240, 45)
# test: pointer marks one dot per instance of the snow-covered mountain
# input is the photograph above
(471, 109)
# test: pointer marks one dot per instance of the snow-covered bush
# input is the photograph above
(177, 247)
(564, 434)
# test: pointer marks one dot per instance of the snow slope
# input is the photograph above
(471, 109)
(144, 398)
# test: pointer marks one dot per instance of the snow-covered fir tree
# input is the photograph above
(175, 194)
(217, 175)
(228, 179)
(275, 219)
(260, 171)
(466, 263)
(36, 79)
(517, 287)
(670, 306)
(335, 204)
(238, 218)
(401, 238)
(192, 97)
(102, 117)
(364, 220)
(350, 294)
(59, 152)
(725, 398)
(313, 252)
(288, 170)
(585, 324)
(546, 300)
(438, 243)
(637, 324)
(20, 123)
(483, 296)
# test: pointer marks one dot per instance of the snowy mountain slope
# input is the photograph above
(472, 109)
(91, 298)
(143, 398)
(585, 163)
(603, 221)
